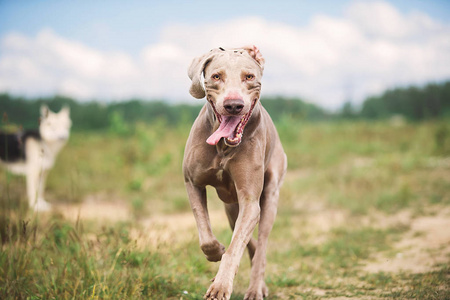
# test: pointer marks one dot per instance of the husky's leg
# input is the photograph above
(36, 183)
(35, 190)
(32, 183)
(41, 204)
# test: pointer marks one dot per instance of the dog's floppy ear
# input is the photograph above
(256, 55)
(44, 111)
(195, 72)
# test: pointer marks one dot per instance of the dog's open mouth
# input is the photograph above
(231, 128)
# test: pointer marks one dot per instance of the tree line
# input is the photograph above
(413, 103)
(99, 116)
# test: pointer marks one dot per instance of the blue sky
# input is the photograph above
(164, 36)
(130, 25)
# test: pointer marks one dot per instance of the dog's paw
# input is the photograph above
(41, 206)
(257, 293)
(213, 251)
(219, 291)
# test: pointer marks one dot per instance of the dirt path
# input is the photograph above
(425, 244)
(151, 231)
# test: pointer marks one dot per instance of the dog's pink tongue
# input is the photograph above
(226, 129)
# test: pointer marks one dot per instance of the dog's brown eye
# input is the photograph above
(249, 77)
(216, 77)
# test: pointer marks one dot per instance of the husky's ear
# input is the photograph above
(44, 111)
(65, 110)
(195, 72)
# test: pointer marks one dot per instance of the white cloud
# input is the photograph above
(51, 64)
(371, 48)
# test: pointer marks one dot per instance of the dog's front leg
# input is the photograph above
(209, 244)
(35, 188)
(249, 212)
(32, 178)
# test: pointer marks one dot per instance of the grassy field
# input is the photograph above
(364, 214)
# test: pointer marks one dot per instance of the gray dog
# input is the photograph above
(234, 147)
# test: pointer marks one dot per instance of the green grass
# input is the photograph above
(342, 178)
(62, 264)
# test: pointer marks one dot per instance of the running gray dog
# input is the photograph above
(234, 147)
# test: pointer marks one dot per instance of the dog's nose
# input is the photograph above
(234, 106)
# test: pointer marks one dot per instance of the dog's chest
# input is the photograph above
(224, 185)
(216, 177)
(219, 175)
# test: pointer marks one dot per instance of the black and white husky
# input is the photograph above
(33, 152)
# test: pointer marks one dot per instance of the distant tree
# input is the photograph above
(348, 111)
(95, 115)
(431, 101)
(293, 107)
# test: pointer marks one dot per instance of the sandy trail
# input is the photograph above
(425, 244)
